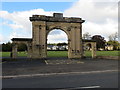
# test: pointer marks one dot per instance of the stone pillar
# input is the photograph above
(29, 48)
(39, 39)
(14, 50)
(93, 50)
(84, 45)
(76, 42)
(81, 43)
(69, 48)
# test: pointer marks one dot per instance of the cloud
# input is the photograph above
(57, 36)
(104, 29)
(19, 22)
(16, 26)
(21, 26)
(100, 17)
(93, 11)
(55, 32)
(3, 39)
(20, 19)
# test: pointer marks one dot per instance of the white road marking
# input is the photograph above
(91, 87)
(87, 87)
(46, 62)
(46, 74)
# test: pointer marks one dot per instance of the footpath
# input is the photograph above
(44, 67)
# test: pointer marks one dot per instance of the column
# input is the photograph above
(81, 42)
(39, 40)
(93, 50)
(29, 49)
(14, 51)
(83, 48)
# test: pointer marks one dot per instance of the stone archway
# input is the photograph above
(93, 47)
(42, 25)
(16, 42)
(59, 44)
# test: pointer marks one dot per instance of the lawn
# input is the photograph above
(7, 54)
(103, 53)
(64, 53)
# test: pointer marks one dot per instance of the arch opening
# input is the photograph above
(57, 43)
(19, 49)
(22, 50)
(88, 50)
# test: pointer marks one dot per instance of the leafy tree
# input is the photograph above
(100, 42)
(7, 46)
(22, 47)
(61, 44)
(113, 41)
(116, 44)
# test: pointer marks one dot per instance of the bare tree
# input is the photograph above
(113, 40)
(86, 36)
(113, 36)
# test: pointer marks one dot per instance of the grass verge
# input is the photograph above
(64, 53)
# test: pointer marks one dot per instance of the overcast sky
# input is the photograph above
(101, 17)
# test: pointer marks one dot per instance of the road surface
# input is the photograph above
(69, 81)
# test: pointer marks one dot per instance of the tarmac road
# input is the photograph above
(89, 73)
(23, 67)
(69, 81)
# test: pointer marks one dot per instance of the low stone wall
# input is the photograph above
(109, 57)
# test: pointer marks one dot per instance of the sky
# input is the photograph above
(101, 18)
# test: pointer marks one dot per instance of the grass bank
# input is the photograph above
(64, 53)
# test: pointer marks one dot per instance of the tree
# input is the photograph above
(100, 42)
(86, 36)
(7, 46)
(113, 36)
(22, 47)
(116, 44)
(113, 41)
(61, 44)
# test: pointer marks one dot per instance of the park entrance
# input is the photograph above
(42, 25)
(57, 44)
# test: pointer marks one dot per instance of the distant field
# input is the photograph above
(64, 53)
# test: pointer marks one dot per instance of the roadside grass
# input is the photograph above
(57, 53)
(7, 54)
(103, 53)
(64, 53)
(107, 53)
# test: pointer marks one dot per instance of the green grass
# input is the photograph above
(103, 53)
(57, 54)
(107, 53)
(64, 53)
(7, 54)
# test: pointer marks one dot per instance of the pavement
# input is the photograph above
(23, 67)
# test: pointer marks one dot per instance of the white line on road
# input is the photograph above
(46, 62)
(87, 87)
(46, 74)
(91, 87)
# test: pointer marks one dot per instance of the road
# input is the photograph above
(70, 81)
